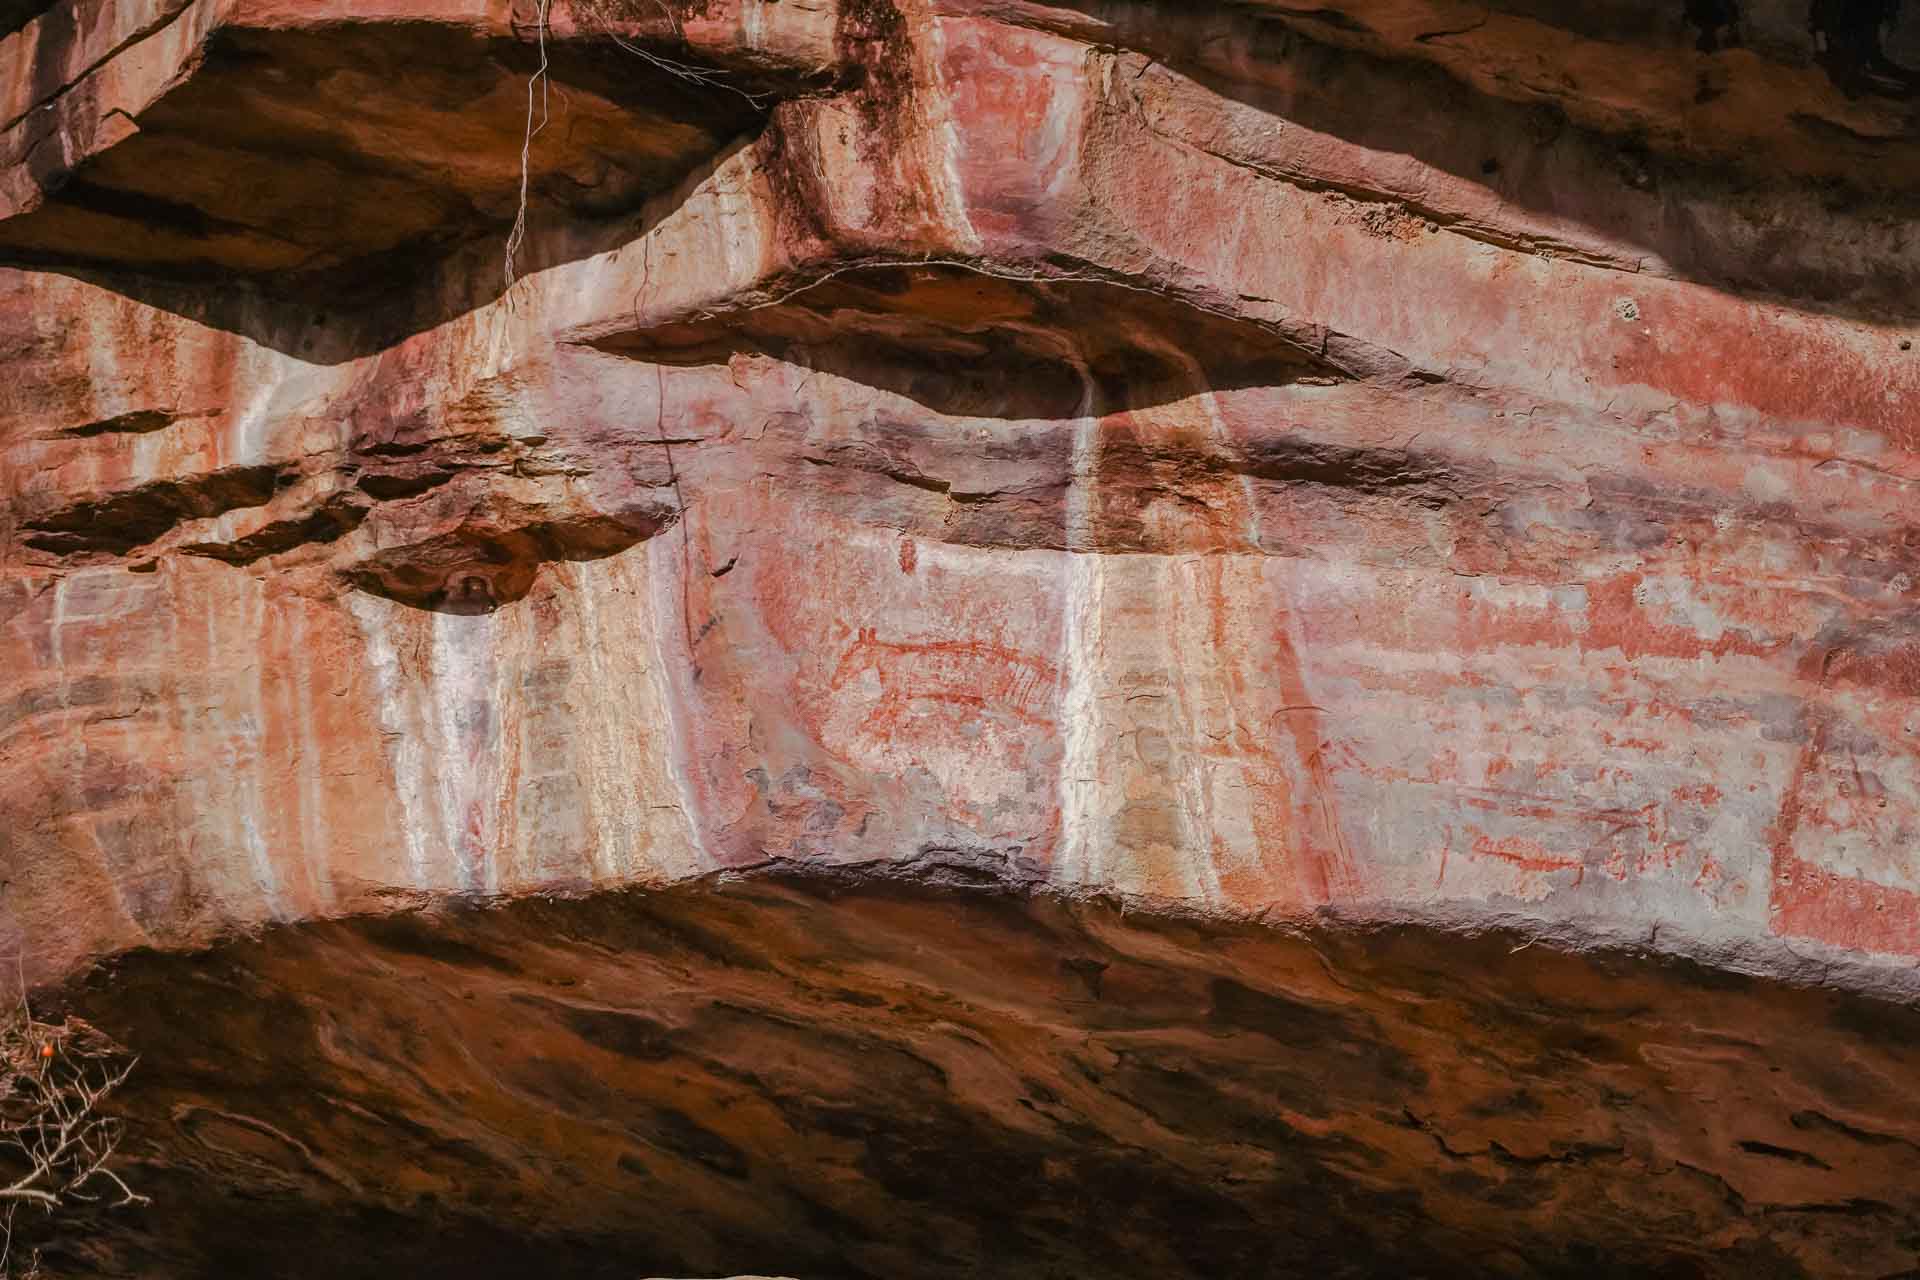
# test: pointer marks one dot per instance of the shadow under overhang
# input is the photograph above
(941, 1070)
(967, 340)
(319, 179)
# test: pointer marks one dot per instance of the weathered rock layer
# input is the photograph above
(1332, 482)
(859, 1077)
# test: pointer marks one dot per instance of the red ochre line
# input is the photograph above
(1525, 854)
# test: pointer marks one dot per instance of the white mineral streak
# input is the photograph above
(1082, 849)
(380, 622)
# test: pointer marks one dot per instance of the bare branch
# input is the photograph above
(57, 1144)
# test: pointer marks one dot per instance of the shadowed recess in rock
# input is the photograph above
(119, 522)
(492, 557)
(964, 342)
(1648, 152)
(15, 14)
(855, 1075)
(334, 167)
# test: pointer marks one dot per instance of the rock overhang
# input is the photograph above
(1821, 90)
(926, 1070)
(333, 157)
(979, 339)
(1100, 465)
(1262, 396)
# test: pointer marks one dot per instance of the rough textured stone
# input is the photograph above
(856, 1077)
(1315, 609)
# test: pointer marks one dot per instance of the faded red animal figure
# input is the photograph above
(952, 681)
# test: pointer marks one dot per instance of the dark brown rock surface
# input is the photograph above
(912, 1075)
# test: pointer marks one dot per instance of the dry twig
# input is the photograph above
(57, 1144)
(536, 87)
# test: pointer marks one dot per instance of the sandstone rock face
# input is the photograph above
(1102, 637)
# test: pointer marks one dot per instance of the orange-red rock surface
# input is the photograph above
(1440, 466)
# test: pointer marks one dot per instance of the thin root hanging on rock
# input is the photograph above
(598, 17)
(538, 86)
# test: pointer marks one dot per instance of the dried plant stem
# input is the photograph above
(537, 88)
(57, 1144)
(539, 98)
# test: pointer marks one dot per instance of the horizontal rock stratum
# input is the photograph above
(933, 638)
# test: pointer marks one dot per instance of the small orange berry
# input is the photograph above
(46, 1051)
